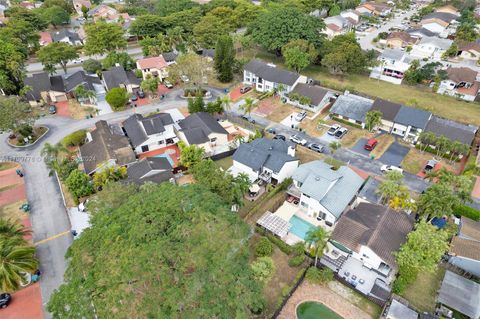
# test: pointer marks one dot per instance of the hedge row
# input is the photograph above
(468, 212)
(287, 249)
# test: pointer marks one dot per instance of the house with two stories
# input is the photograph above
(150, 169)
(410, 122)
(362, 246)
(461, 82)
(441, 23)
(393, 63)
(352, 108)
(106, 146)
(153, 66)
(401, 39)
(464, 250)
(88, 81)
(66, 36)
(150, 133)
(469, 50)
(324, 193)
(266, 77)
(205, 131)
(430, 48)
(271, 161)
(319, 99)
(118, 77)
(389, 111)
(337, 25)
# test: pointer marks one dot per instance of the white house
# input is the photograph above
(352, 108)
(265, 77)
(150, 133)
(465, 247)
(410, 122)
(430, 48)
(271, 161)
(66, 36)
(325, 193)
(337, 25)
(319, 99)
(154, 66)
(393, 63)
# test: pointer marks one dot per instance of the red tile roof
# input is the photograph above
(157, 62)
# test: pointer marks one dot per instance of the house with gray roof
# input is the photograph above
(460, 294)
(105, 147)
(271, 161)
(319, 99)
(325, 193)
(66, 36)
(266, 77)
(410, 122)
(389, 110)
(393, 63)
(44, 89)
(150, 133)
(118, 77)
(454, 131)
(203, 130)
(351, 108)
(430, 48)
(397, 310)
(150, 169)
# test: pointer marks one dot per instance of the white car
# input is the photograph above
(333, 129)
(298, 140)
(184, 78)
(391, 168)
(300, 116)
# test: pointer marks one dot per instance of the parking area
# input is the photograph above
(327, 138)
(395, 154)
(359, 147)
(26, 303)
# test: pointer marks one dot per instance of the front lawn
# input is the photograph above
(384, 141)
(280, 110)
(415, 160)
(225, 163)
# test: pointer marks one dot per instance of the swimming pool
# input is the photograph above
(300, 227)
(315, 310)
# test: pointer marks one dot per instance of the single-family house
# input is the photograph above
(88, 81)
(317, 98)
(105, 147)
(66, 36)
(374, 8)
(460, 294)
(351, 108)
(454, 131)
(337, 25)
(448, 9)
(421, 32)
(352, 16)
(469, 50)
(153, 66)
(369, 192)
(362, 247)
(79, 4)
(271, 161)
(393, 63)
(398, 310)
(44, 89)
(45, 38)
(430, 48)
(464, 250)
(265, 77)
(118, 77)
(461, 82)
(151, 132)
(324, 193)
(389, 110)
(103, 12)
(438, 22)
(401, 39)
(410, 122)
(150, 169)
(170, 57)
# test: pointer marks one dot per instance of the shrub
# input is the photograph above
(468, 212)
(92, 66)
(75, 139)
(117, 98)
(296, 261)
(25, 130)
(79, 184)
(264, 247)
(263, 269)
(138, 73)
(298, 249)
(319, 276)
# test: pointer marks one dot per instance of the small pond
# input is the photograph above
(315, 310)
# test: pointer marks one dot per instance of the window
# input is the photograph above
(144, 148)
(260, 80)
(213, 139)
(160, 142)
(304, 204)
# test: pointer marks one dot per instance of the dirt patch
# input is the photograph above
(353, 135)
(78, 111)
(313, 127)
(416, 159)
(305, 155)
(7, 165)
(69, 199)
(355, 298)
(13, 211)
(185, 180)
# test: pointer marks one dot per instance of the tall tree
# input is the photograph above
(372, 119)
(12, 68)
(190, 154)
(224, 59)
(121, 58)
(56, 53)
(157, 45)
(343, 55)
(150, 84)
(248, 105)
(117, 98)
(13, 113)
(208, 31)
(147, 25)
(390, 187)
(296, 59)
(16, 258)
(104, 37)
(317, 237)
(83, 94)
(55, 15)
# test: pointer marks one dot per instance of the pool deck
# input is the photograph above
(311, 292)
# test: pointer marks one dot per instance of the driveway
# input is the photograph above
(394, 155)
(327, 138)
(358, 147)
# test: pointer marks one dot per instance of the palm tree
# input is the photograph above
(334, 145)
(175, 36)
(427, 138)
(51, 151)
(16, 258)
(318, 239)
(81, 93)
(10, 229)
(226, 102)
(390, 187)
(373, 118)
(441, 144)
(248, 106)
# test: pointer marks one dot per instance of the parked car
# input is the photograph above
(316, 147)
(279, 137)
(431, 164)
(333, 129)
(390, 168)
(371, 144)
(245, 89)
(298, 140)
(134, 97)
(5, 299)
(272, 130)
(168, 85)
(300, 116)
(52, 109)
(184, 79)
(248, 118)
(341, 132)
(141, 94)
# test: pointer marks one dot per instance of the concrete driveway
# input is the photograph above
(395, 154)
(358, 147)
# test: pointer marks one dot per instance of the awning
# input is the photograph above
(274, 224)
(254, 188)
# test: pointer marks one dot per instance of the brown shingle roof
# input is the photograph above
(467, 46)
(380, 228)
(403, 36)
(389, 109)
(470, 228)
(465, 248)
(462, 74)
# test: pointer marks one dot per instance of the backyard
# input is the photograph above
(416, 159)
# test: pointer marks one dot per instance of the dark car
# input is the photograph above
(371, 144)
(248, 118)
(316, 147)
(141, 94)
(134, 97)
(341, 132)
(52, 109)
(5, 299)
(279, 137)
(431, 164)
(245, 89)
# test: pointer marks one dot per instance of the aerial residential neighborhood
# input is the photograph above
(257, 159)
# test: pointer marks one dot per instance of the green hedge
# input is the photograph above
(468, 212)
(345, 122)
(75, 139)
(296, 261)
(287, 249)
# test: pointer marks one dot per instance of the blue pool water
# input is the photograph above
(300, 227)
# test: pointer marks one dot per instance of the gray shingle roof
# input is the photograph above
(398, 310)
(57, 83)
(271, 73)
(153, 169)
(138, 128)
(389, 109)
(39, 82)
(352, 106)
(380, 228)
(61, 34)
(263, 152)
(369, 191)
(333, 189)
(452, 130)
(170, 56)
(413, 117)
(197, 126)
(421, 32)
(117, 76)
(443, 44)
(460, 294)
(314, 92)
(444, 16)
(80, 77)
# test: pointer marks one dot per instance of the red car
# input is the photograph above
(370, 145)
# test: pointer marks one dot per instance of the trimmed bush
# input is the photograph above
(263, 269)
(264, 247)
(319, 276)
(296, 261)
(468, 212)
(75, 139)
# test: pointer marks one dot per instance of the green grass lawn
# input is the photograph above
(225, 163)
(420, 97)
(315, 310)
(7, 165)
